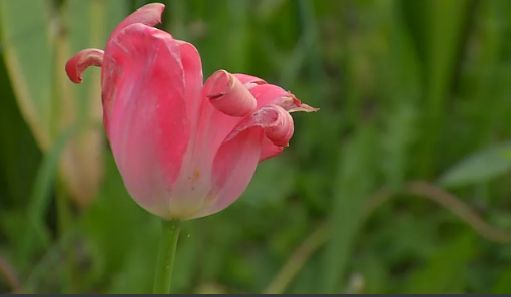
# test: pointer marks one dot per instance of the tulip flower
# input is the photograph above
(185, 149)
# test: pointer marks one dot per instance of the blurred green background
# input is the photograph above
(400, 184)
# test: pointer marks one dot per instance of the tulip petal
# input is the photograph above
(242, 149)
(233, 168)
(147, 124)
(216, 120)
(276, 122)
(270, 150)
(149, 14)
(228, 94)
(192, 68)
(248, 80)
(183, 150)
(81, 61)
(272, 94)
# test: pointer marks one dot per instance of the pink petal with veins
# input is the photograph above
(248, 80)
(183, 149)
(241, 150)
(149, 14)
(228, 94)
(148, 127)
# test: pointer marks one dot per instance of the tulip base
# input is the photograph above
(166, 253)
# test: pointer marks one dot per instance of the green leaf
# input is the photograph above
(479, 167)
(354, 182)
(19, 155)
(38, 41)
(58, 112)
(28, 52)
(438, 28)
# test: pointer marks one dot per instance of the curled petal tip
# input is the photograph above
(150, 14)
(158, 7)
(304, 107)
(277, 123)
(218, 84)
(292, 104)
(227, 94)
(281, 129)
(81, 61)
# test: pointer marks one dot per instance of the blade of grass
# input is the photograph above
(438, 26)
(354, 182)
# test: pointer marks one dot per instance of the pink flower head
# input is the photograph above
(184, 149)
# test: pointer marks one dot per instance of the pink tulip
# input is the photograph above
(184, 149)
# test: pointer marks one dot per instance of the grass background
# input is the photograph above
(400, 184)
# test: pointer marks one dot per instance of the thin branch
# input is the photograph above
(377, 199)
(459, 208)
(297, 260)
(447, 200)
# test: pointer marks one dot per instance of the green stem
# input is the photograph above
(167, 250)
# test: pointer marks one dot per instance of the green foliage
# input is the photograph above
(446, 270)
(479, 167)
(352, 185)
(30, 73)
(408, 90)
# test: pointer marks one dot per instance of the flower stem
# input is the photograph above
(165, 262)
